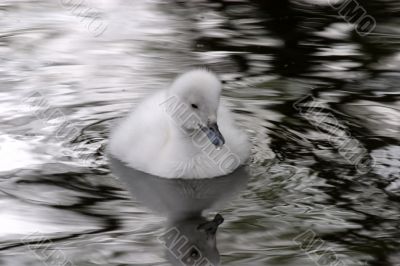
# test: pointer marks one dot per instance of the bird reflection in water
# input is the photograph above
(189, 238)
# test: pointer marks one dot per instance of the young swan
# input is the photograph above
(182, 132)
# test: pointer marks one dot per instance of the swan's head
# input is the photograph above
(198, 93)
(192, 241)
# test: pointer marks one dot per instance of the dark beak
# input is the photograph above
(214, 135)
(212, 226)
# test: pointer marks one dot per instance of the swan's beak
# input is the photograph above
(211, 227)
(213, 134)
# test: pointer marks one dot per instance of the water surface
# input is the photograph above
(69, 70)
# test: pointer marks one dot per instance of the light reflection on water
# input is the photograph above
(269, 55)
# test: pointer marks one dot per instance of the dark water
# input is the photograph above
(320, 103)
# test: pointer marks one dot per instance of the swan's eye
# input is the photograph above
(194, 106)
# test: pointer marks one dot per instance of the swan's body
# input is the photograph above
(151, 139)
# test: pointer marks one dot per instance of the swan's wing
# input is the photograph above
(141, 135)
